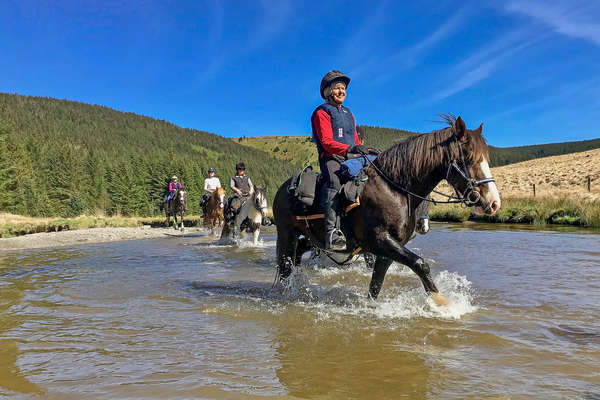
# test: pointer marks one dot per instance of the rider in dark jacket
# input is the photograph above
(334, 131)
(242, 187)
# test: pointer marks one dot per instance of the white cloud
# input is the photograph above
(386, 67)
(570, 18)
(478, 66)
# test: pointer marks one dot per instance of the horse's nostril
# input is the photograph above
(494, 206)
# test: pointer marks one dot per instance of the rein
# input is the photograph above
(465, 198)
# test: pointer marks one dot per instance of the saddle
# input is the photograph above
(306, 189)
(234, 205)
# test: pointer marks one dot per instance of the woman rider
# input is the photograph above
(334, 131)
(174, 186)
(211, 184)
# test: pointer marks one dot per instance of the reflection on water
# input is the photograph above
(184, 318)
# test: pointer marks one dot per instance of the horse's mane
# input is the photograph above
(418, 155)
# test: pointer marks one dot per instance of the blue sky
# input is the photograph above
(530, 70)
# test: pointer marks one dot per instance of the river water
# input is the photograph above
(181, 317)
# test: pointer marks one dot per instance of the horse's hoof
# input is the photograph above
(439, 300)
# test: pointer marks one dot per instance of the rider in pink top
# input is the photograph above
(174, 186)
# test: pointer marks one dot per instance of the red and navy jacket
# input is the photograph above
(333, 129)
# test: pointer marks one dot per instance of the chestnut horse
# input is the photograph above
(214, 210)
(399, 179)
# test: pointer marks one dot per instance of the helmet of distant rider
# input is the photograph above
(174, 178)
(329, 79)
(240, 166)
(211, 170)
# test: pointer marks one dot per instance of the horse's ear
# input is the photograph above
(480, 128)
(460, 128)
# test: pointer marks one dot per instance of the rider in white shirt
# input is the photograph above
(211, 184)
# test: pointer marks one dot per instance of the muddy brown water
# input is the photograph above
(184, 318)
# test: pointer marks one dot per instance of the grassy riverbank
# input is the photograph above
(538, 211)
(16, 225)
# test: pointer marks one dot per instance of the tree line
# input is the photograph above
(64, 158)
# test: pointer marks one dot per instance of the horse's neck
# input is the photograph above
(253, 213)
(424, 187)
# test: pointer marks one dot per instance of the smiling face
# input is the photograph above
(338, 93)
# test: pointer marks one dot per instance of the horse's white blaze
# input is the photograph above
(263, 205)
(222, 201)
(492, 194)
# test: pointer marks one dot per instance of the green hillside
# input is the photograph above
(63, 158)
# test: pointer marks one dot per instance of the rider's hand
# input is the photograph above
(374, 152)
(357, 149)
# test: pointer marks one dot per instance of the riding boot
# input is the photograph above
(334, 238)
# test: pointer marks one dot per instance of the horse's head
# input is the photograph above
(181, 196)
(220, 197)
(469, 173)
(260, 200)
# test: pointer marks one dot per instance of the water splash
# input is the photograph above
(344, 300)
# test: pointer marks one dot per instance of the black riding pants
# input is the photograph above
(329, 169)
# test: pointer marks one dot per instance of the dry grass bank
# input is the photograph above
(561, 197)
(16, 225)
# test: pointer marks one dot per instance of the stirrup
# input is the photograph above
(335, 241)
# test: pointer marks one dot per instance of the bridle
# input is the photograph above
(257, 205)
(468, 197)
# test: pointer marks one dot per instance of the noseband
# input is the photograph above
(470, 196)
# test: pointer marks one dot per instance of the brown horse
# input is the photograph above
(214, 210)
(175, 206)
(399, 179)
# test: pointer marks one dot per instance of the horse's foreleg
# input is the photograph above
(379, 270)
(302, 247)
(255, 236)
(393, 249)
(286, 253)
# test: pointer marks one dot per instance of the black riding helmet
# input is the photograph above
(240, 165)
(211, 170)
(331, 77)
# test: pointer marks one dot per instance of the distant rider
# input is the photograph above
(174, 186)
(334, 131)
(242, 187)
(211, 184)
